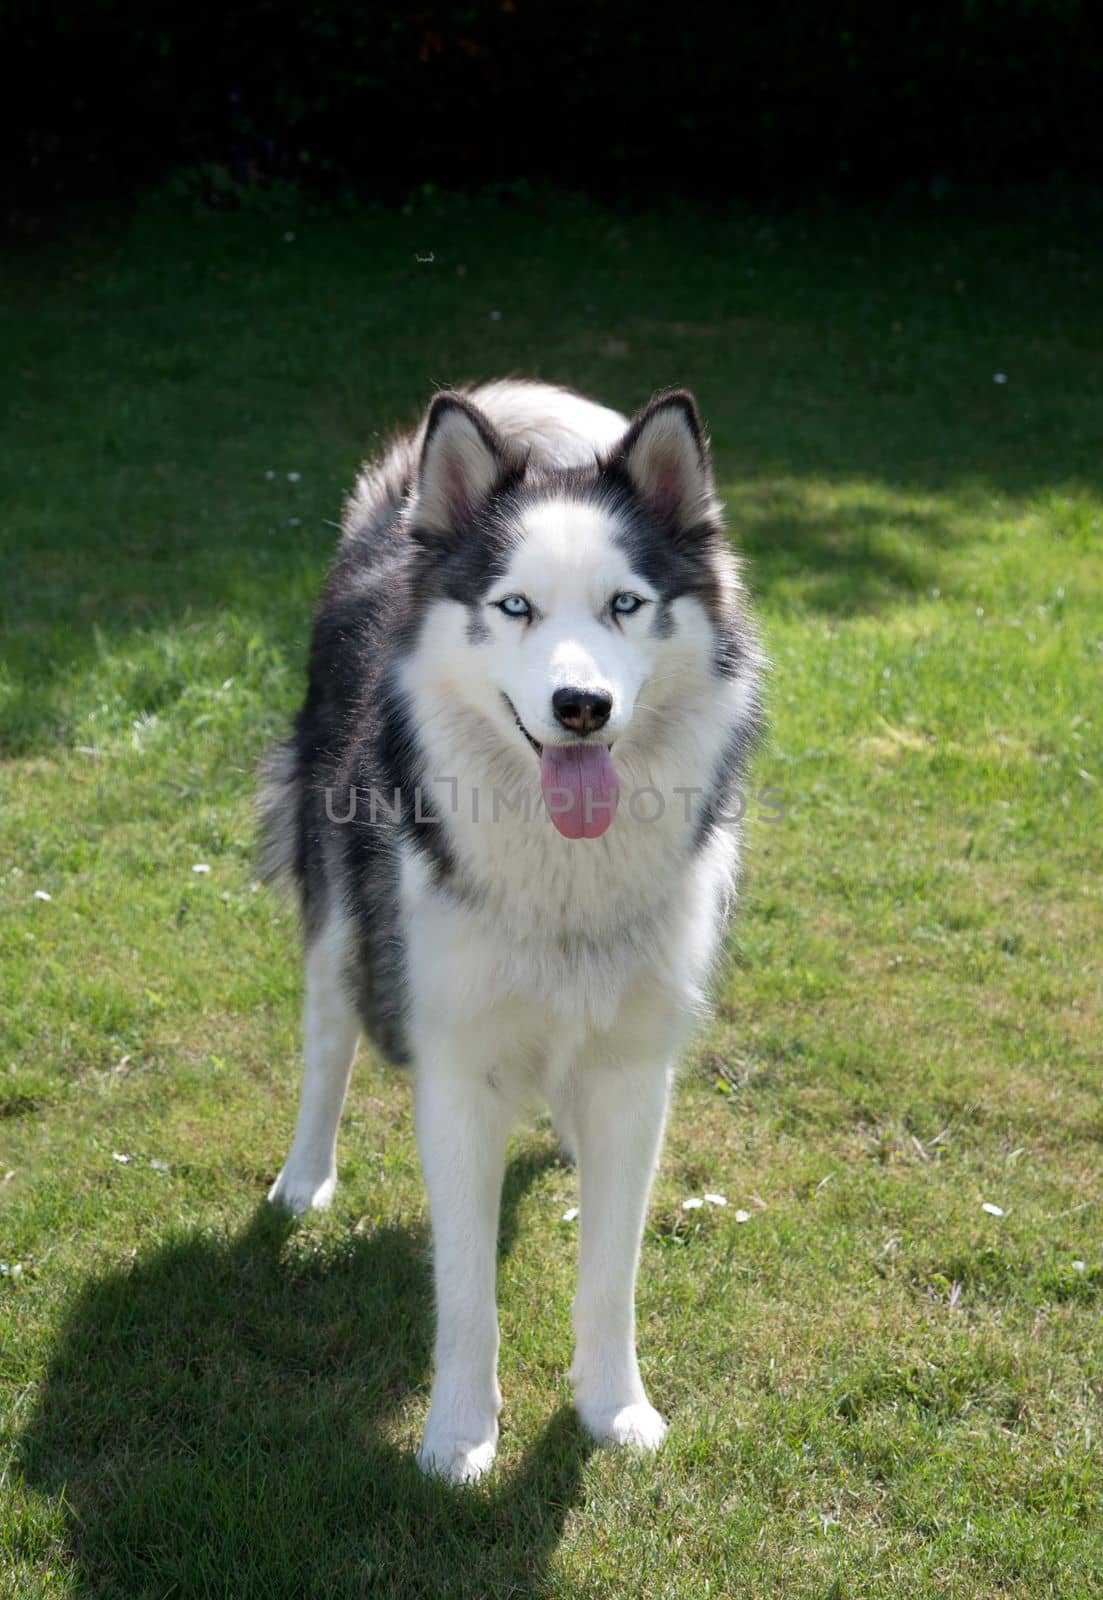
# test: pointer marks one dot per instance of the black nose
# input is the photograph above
(582, 710)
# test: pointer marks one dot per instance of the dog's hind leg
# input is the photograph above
(620, 1115)
(330, 1030)
(563, 1123)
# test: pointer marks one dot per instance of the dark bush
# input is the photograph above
(619, 99)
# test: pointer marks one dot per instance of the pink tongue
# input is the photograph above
(580, 788)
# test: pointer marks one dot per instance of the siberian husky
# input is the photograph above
(507, 811)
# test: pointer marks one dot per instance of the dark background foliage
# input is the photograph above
(623, 100)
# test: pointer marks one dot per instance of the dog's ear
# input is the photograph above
(463, 461)
(665, 456)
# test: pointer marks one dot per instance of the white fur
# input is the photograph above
(330, 1031)
(561, 429)
(574, 973)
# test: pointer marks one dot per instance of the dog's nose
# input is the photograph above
(582, 710)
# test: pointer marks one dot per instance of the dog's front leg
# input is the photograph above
(462, 1123)
(620, 1114)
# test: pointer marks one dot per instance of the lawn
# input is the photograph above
(882, 1360)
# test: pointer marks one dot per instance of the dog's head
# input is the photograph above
(582, 608)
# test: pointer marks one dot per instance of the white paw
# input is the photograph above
(456, 1460)
(302, 1191)
(638, 1426)
(461, 1430)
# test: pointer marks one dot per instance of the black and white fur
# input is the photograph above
(505, 963)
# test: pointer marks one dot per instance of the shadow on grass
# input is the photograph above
(860, 560)
(218, 1421)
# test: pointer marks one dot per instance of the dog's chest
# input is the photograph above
(523, 929)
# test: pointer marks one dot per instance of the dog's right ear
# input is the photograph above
(463, 461)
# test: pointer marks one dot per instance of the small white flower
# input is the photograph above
(999, 377)
(294, 522)
(992, 1210)
(692, 1204)
(269, 475)
(716, 1200)
(289, 237)
(201, 866)
(742, 1216)
(1080, 1266)
(40, 894)
(495, 316)
(254, 888)
(121, 1159)
(569, 1216)
(294, 477)
(158, 1166)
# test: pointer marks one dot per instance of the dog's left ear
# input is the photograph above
(666, 457)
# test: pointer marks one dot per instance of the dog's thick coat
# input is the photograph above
(533, 609)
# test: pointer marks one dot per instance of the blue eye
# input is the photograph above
(624, 604)
(515, 605)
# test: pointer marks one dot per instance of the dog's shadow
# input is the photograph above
(219, 1419)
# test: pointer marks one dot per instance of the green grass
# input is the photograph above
(875, 1386)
